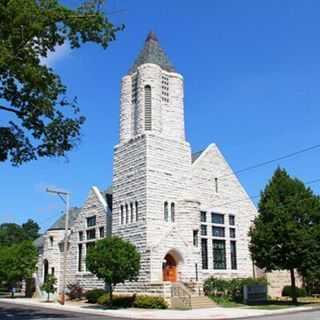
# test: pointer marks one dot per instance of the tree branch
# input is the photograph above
(10, 110)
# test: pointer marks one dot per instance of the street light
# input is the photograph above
(65, 197)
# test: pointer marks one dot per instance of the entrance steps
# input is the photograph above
(200, 302)
(182, 297)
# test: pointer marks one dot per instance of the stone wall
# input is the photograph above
(94, 206)
(229, 198)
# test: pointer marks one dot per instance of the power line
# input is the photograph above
(261, 164)
(258, 195)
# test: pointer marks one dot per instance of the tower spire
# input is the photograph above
(152, 53)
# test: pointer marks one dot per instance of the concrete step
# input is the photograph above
(198, 302)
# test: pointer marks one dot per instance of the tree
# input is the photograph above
(17, 262)
(41, 120)
(113, 260)
(49, 285)
(12, 233)
(283, 234)
(31, 229)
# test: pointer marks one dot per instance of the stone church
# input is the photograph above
(180, 208)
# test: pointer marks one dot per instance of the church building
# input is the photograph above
(186, 212)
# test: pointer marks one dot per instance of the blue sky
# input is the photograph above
(252, 74)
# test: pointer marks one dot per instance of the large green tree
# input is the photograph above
(17, 262)
(113, 260)
(12, 233)
(38, 120)
(283, 236)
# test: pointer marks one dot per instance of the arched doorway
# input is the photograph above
(45, 269)
(169, 268)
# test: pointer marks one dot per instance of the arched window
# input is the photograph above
(131, 211)
(166, 211)
(173, 212)
(121, 215)
(127, 214)
(137, 211)
(147, 108)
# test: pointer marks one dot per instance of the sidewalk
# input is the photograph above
(212, 313)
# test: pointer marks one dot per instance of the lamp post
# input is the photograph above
(65, 197)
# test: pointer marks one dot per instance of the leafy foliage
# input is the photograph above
(17, 262)
(114, 260)
(285, 235)
(117, 301)
(93, 295)
(75, 291)
(288, 292)
(42, 121)
(11, 233)
(49, 285)
(231, 289)
(150, 302)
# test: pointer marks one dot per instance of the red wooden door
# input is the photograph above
(170, 269)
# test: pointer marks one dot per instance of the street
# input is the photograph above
(18, 312)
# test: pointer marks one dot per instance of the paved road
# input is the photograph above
(17, 312)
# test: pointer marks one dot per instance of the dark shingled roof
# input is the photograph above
(39, 242)
(152, 53)
(73, 214)
(196, 155)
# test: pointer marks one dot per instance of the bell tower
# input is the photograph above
(152, 165)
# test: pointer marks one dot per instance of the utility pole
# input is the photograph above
(65, 197)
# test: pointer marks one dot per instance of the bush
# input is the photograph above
(150, 302)
(287, 292)
(118, 301)
(232, 289)
(75, 291)
(93, 295)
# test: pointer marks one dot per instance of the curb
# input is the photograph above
(184, 316)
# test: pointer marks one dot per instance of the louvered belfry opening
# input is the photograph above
(148, 108)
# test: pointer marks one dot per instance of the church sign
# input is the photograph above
(255, 294)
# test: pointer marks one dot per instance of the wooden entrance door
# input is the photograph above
(169, 269)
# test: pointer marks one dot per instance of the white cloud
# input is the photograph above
(58, 54)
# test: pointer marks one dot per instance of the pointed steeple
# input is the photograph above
(152, 53)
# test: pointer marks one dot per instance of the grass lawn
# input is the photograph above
(270, 305)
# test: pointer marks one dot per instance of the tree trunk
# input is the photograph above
(111, 289)
(293, 287)
(48, 299)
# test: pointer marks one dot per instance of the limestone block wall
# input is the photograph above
(129, 188)
(166, 103)
(169, 180)
(229, 198)
(94, 206)
(278, 279)
(53, 254)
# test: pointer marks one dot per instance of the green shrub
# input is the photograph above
(93, 295)
(287, 292)
(150, 302)
(118, 301)
(232, 289)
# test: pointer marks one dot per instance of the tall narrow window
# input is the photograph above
(51, 242)
(127, 214)
(131, 212)
(121, 213)
(216, 186)
(80, 257)
(166, 211)
(147, 108)
(233, 252)
(195, 237)
(219, 254)
(173, 212)
(137, 211)
(204, 253)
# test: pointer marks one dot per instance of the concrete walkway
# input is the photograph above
(212, 313)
